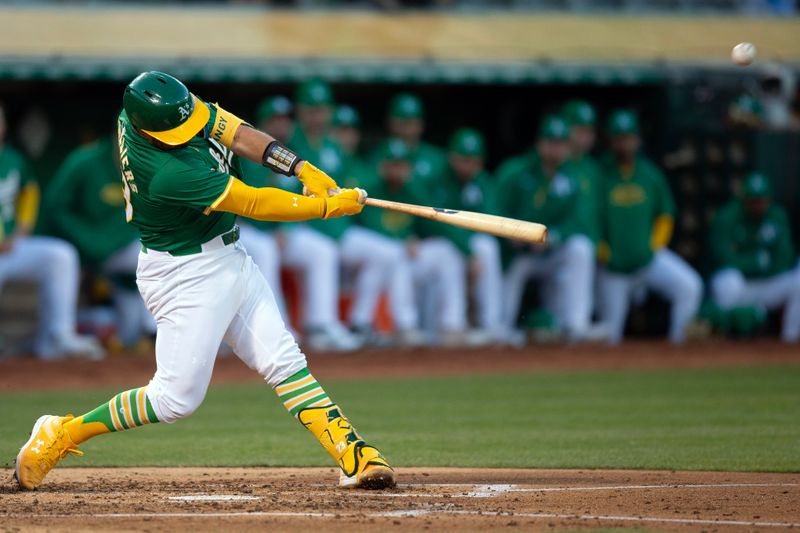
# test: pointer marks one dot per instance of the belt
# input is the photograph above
(220, 241)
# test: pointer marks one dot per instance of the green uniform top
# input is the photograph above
(429, 163)
(391, 223)
(476, 195)
(629, 206)
(530, 195)
(168, 191)
(15, 174)
(329, 158)
(587, 171)
(757, 248)
(86, 204)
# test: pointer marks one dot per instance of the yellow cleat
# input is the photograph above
(372, 472)
(49, 443)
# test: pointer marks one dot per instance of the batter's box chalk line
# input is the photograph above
(212, 498)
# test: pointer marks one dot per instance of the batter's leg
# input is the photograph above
(259, 337)
(675, 280)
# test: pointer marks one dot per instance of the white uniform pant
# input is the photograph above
(487, 286)
(316, 256)
(730, 288)
(198, 301)
(54, 265)
(568, 275)
(133, 318)
(263, 247)
(440, 276)
(668, 275)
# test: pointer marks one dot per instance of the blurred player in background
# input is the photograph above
(582, 120)
(406, 121)
(263, 239)
(637, 219)
(751, 243)
(87, 209)
(536, 186)
(427, 261)
(468, 186)
(50, 262)
(346, 130)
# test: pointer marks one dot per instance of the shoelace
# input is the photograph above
(48, 459)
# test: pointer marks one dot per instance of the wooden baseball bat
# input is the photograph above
(509, 228)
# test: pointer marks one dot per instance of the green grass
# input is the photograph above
(723, 419)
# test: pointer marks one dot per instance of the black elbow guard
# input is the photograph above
(280, 159)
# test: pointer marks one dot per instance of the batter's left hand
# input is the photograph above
(315, 181)
(345, 202)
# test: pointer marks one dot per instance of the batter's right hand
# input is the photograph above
(315, 181)
(345, 202)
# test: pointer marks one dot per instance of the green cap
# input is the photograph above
(314, 93)
(346, 115)
(162, 106)
(406, 105)
(274, 107)
(553, 127)
(623, 122)
(579, 113)
(395, 149)
(468, 142)
(756, 185)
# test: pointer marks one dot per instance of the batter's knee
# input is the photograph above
(172, 404)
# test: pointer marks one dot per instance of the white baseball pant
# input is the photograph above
(487, 289)
(263, 247)
(200, 300)
(730, 288)
(440, 275)
(54, 265)
(381, 264)
(568, 274)
(668, 275)
(133, 318)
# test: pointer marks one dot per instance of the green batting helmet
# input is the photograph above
(468, 142)
(579, 113)
(162, 106)
(623, 122)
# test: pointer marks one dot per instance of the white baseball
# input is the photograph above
(743, 54)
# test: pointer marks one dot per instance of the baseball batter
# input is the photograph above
(637, 218)
(179, 163)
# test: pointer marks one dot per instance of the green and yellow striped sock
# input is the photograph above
(300, 391)
(126, 410)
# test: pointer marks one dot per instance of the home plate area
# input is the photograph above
(253, 499)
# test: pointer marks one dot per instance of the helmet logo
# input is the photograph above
(184, 111)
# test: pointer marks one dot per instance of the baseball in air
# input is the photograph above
(743, 54)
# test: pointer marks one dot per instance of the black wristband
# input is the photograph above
(280, 159)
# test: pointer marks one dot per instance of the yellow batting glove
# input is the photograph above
(345, 202)
(316, 182)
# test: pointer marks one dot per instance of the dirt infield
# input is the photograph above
(121, 371)
(436, 499)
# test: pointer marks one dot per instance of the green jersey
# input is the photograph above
(391, 223)
(168, 193)
(631, 202)
(328, 156)
(477, 194)
(15, 174)
(429, 163)
(587, 172)
(531, 195)
(85, 203)
(757, 248)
